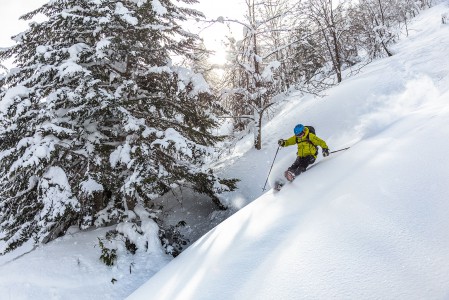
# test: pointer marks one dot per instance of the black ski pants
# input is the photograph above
(301, 164)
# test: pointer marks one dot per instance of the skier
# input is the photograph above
(307, 143)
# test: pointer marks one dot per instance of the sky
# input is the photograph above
(366, 223)
(11, 10)
(214, 34)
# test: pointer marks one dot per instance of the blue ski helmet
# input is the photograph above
(298, 129)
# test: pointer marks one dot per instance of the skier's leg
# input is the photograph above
(295, 165)
(300, 165)
(303, 163)
(290, 173)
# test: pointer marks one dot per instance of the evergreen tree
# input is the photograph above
(96, 121)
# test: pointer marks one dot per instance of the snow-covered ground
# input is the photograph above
(367, 223)
(69, 268)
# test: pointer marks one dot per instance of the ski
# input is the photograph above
(279, 183)
(278, 186)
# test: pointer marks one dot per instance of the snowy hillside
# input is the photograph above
(368, 223)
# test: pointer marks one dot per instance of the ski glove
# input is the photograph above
(281, 142)
(325, 152)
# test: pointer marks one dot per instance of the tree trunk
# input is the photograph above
(258, 130)
(337, 57)
(383, 24)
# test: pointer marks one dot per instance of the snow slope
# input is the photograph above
(368, 223)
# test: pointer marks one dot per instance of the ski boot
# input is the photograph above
(289, 175)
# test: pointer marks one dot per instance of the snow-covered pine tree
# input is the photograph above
(96, 121)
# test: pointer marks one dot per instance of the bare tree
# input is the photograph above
(329, 22)
(305, 44)
(253, 74)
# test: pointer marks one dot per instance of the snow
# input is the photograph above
(101, 45)
(41, 49)
(70, 66)
(125, 14)
(158, 8)
(139, 3)
(58, 195)
(267, 73)
(150, 239)
(12, 94)
(69, 268)
(41, 149)
(120, 155)
(179, 142)
(90, 186)
(186, 76)
(366, 223)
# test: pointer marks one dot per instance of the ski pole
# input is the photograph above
(340, 150)
(263, 189)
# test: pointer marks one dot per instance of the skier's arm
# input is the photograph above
(290, 141)
(317, 141)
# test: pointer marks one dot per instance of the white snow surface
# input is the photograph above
(367, 223)
(69, 268)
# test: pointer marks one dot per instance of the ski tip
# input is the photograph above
(277, 187)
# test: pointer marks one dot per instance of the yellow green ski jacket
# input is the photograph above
(306, 144)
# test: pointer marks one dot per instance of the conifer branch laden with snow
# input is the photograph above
(96, 121)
